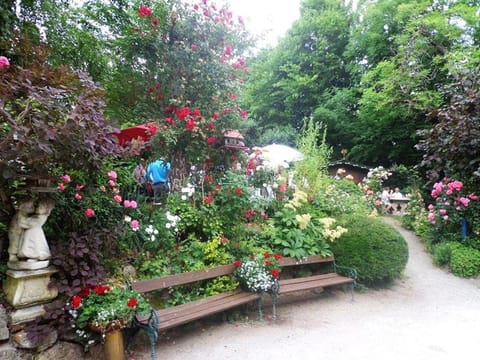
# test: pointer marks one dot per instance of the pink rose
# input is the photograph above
(112, 175)
(431, 216)
(66, 178)
(133, 204)
(78, 196)
(126, 203)
(4, 63)
(117, 199)
(445, 217)
(111, 183)
(134, 224)
(89, 213)
(61, 187)
(473, 197)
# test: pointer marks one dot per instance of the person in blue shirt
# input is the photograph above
(157, 174)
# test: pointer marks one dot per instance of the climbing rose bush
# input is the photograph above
(452, 207)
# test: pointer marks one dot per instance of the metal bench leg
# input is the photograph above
(260, 307)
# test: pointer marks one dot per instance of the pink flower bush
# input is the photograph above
(453, 210)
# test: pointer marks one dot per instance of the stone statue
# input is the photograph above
(28, 247)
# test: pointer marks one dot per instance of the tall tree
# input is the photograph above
(289, 81)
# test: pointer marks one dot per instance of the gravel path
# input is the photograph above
(428, 314)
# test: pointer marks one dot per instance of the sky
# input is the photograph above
(270, 17)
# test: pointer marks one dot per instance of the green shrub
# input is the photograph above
(441, 253)
(465, 261)
(377, 251)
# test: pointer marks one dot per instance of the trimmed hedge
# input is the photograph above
(376, 250)
(463, 261)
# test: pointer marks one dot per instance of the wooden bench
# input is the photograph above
(330, 276)
(166, 318)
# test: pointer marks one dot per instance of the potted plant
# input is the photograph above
(107, 311)
(259, 274)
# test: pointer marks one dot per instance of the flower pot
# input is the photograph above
(113, 347)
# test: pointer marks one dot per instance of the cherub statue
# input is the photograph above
(26, 236)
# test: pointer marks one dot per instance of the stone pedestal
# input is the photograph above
(26, 288)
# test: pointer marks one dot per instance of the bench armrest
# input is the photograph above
(345, 270)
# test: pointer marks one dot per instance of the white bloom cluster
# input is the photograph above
(187, 191)
(172, 221)
(255, 276)
(379, 172)
(151, 232)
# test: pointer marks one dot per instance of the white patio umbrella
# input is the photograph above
(280, 155)
(281, 152)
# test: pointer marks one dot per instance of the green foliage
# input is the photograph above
(415, 217)
(297, 230)
(338, 197)
(312, 169)
(378, 252)
(442, 252)
(465, 261)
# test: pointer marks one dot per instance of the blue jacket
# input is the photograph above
(157, 172)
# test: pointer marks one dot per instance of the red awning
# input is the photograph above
(139, 132)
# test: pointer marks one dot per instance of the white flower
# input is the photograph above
(168, 225)
(184, 197)
(127, 218)
(152, 237)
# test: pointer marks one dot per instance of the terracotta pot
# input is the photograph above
(113, 347)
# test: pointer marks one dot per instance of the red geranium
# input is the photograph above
(144, 11)
(275, 273)
(237, 263)
(76, 302)
(101, 289)
(132, 302)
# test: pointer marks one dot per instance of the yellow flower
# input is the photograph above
(303, 220)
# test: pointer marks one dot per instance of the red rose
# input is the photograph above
(266, 255)
(275, 273)
(182, 113)
(238, 191)
(76, 302)
(101, 289)
(132, 302)
(277, 256)
(207, 199)
(268, 263)
(237, 263)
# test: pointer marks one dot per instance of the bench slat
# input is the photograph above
(291, 261)
(164, 282)
(312, 282)
(194, 312)
(199, 303)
